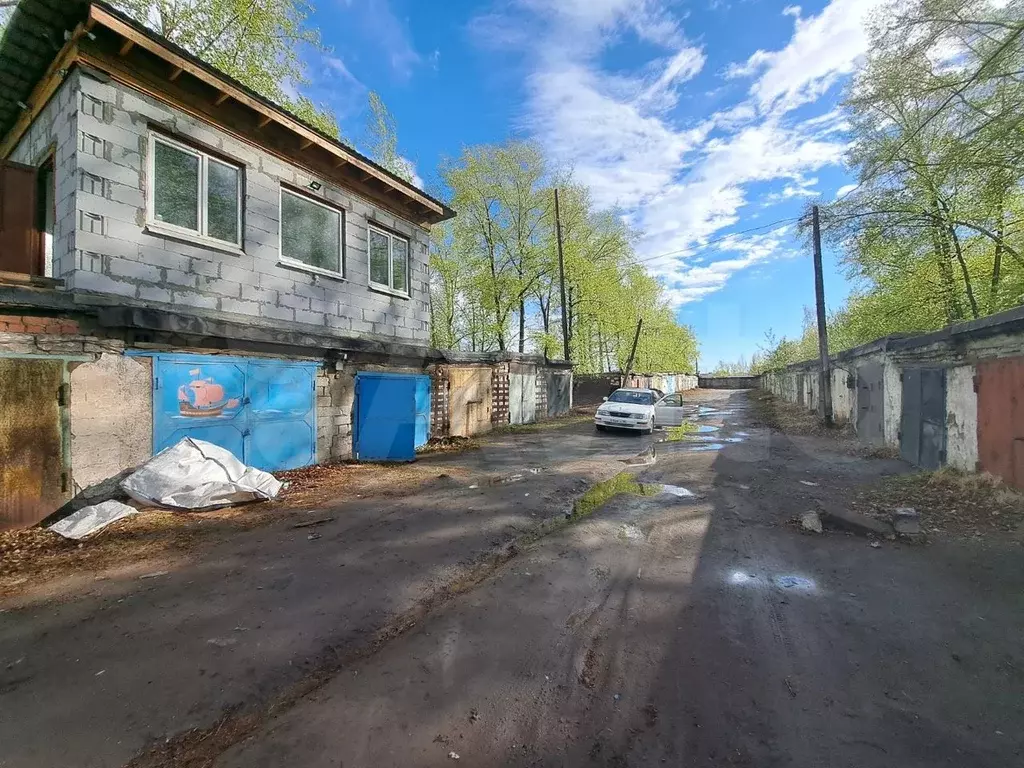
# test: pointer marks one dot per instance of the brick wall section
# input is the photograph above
(542, 393)
(33, 324)
(439, 415)
(335, 394)
(499, 394)
(106, 247)
(56, 130)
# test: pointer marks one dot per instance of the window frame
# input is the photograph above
(391, 236)
(202, 203)
(287, 261)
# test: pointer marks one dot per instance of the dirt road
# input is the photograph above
(663, 629)
(704, 631)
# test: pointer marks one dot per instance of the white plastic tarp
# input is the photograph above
(90, 519)
(195, 474)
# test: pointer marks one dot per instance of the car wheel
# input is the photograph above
(600, 427)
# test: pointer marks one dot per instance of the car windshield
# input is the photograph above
(635, 398)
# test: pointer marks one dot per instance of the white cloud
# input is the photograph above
(845, 190)
(410, 166)
(678, 181)
(823, 49)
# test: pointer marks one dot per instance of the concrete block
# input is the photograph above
(154, 293)
(240, 307)
(277, 313)
(281, 284)
(108, 246)
(133, 269)
(261, 295)
(311, 318)
(293, 300)
(205, 266)
(194, 299)
(238, 274)
(159, 256)
(176, 277)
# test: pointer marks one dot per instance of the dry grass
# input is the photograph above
(36, 555)
(950, 501)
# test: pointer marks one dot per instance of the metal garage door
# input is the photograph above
(392, 416)
(923, 422)
(1000, 385)
(522, 397)
(870, 404)
(32, 469)
(263, 411)
(559, 392)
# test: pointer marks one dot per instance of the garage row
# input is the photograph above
(949, 398)
(69, 421)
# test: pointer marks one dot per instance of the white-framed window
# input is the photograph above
(312, 234)
(389, 261)
(192, 193)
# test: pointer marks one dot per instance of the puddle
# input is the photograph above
(702, 447)
(790, 582)
(679, 491)
(703, 428)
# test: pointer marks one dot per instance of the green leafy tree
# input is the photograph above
(382, 132)
(257, 42)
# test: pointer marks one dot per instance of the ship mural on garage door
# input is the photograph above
(204, 397)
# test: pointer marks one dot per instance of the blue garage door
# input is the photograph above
(392, 416)
(263, 411)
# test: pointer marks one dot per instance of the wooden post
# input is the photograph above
(561, 279)
(632, 352)
(825, 376)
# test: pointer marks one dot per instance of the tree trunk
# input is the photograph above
(997, 266)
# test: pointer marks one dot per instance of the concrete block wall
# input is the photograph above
(335, 395)
(107, 248)
(111, 408)
(55, 130)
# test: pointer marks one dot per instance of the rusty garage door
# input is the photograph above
(870, 404)
(923, 423)
(469, 392)
(1000, 385)
(32, 472)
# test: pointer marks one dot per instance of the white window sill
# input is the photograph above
(191, 238)
(303, 267)
(377, 288)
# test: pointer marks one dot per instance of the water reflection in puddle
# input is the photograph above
(679, 491)
(789, 581)
(706, 428)
(702, 447)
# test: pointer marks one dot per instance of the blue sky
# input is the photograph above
(698, 120)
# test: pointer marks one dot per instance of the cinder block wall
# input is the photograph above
(101, 133)
(499, 394)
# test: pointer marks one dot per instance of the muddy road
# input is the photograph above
(691, 624)
(696, 630)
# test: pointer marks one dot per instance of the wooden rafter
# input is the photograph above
(264, 121)
(222, 98)
(175, 73)
(265, 113)
(305, 144)
(126, 46)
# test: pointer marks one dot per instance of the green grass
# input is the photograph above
(675, 434)
(603, 492)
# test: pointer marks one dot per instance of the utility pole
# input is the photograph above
(632, 351)
(825, 377)
(561, 279)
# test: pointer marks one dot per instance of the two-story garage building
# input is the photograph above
(179, 256)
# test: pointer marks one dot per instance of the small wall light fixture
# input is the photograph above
(315, 186)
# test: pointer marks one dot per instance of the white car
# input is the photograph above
(628, 408)
(642, 409)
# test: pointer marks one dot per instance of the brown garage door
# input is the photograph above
(31, 451)
(470, 400)
(1000, 385)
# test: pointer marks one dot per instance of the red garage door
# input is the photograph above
(1000, 385)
